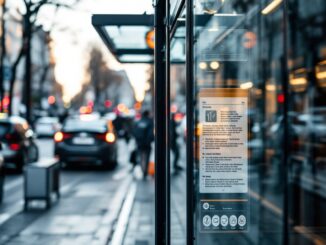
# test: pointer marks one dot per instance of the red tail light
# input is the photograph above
(59, 136)
(14, 147)
(110, 137)
(12, 137)
(100, 136)
(107, 137)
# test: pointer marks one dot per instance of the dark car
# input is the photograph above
(18, 142)
(2, 175)
(87, 139)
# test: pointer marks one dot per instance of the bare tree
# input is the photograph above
(102, 78)
(96, 69)
(29, 18)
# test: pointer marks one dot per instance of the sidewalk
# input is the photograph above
(141, 226)
(84, 215)
(140, 230)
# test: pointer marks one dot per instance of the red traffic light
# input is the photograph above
(108, 103)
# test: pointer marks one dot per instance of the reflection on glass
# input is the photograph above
(128, 36)
(241, 44)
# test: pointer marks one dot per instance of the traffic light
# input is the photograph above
(108, 103)
(51, 100)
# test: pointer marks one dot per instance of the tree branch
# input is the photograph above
(13, 77)
(36, 7)
(26, 3)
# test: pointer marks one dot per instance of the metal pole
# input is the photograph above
(3, 53)
(285, 86)
(168, 123)
(160, 124)
(190, 118)
(28, 64)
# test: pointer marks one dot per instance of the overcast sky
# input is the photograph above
(73, 34)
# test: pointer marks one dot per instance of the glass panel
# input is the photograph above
(128, 36)
(136, 58)
(307, 116)
(178, 155)
(174, 5)
(238, 56)
(178, 52)
(177, 137)
(240, 45)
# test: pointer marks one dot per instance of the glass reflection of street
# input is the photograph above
(92, 152)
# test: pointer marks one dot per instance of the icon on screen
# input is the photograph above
(207, 221)
(210, 116)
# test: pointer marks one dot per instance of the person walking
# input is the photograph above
(174, 144)
(143, 132)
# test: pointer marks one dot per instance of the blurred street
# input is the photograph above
(142, 122)
(87, 212)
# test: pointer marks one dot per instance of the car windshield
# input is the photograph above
(47, 120)
(74, 125)
(4, 129)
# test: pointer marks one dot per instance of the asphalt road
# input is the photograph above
(78, 183)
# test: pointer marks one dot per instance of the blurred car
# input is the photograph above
(307, 134)
(18, 142)
(111, 116)
(87, 139)
(2, 175)
(47, 126)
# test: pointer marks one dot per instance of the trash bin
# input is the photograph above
(42, 179)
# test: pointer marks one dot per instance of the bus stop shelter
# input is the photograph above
(125, 36)
(128, 39)
(223, 47)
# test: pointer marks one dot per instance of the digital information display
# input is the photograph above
(223, 160)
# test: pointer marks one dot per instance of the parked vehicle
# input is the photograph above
(87, 139)
(47, 126)
(2, 175)
(18, 142)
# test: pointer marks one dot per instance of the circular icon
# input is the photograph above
(215, 220)
(150, 39)
(242, 220)
(224, 220)
(207, 220)
(205, 206)
(233, 220)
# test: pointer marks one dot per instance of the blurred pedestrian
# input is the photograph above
(174, 144)
(63, 116)
(118, 125)
(128, 129)
(144, 136)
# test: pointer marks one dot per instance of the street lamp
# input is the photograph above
(202, 65)
(214, 65)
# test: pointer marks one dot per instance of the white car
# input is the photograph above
(47, 126)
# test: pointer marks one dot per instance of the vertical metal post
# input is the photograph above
(190, 118)
(3, 52)
(168, 105)
(285, 86)
(28, 67)
(160, 124)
